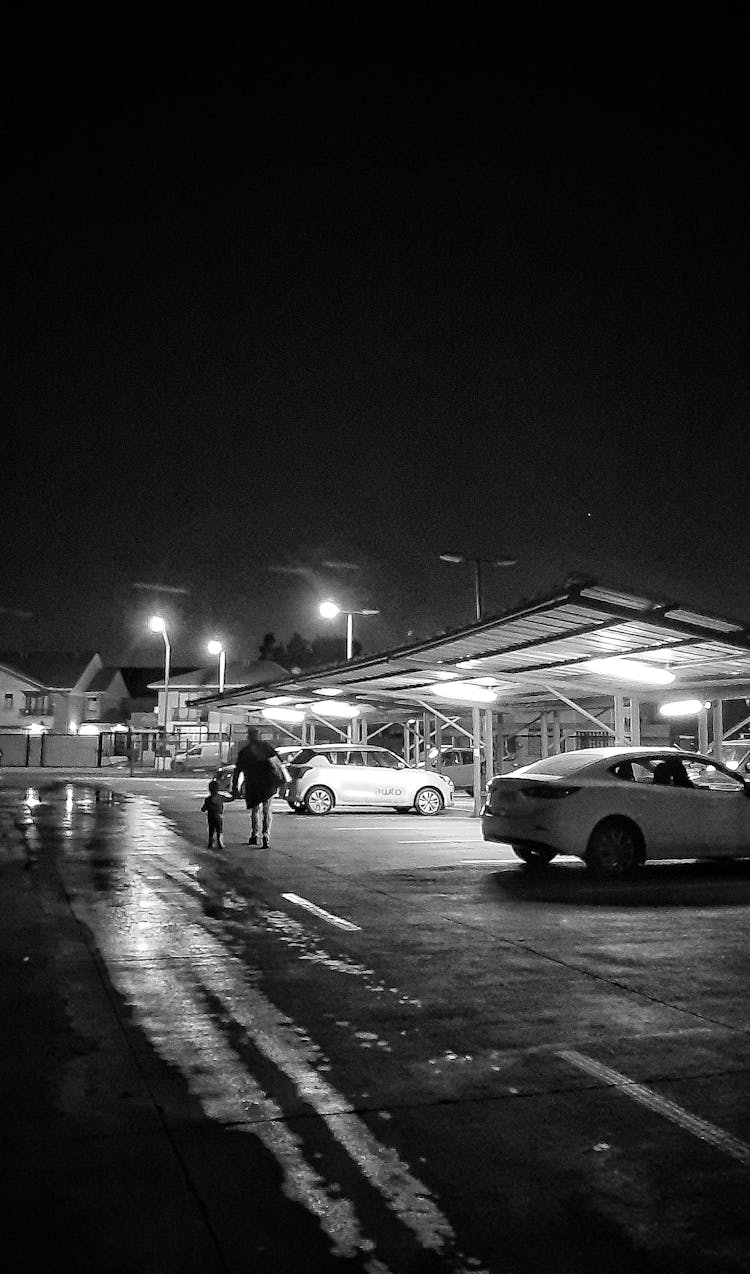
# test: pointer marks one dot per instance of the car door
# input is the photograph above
(385, 775)
(349, 777)
(673, 820)
(725, 807)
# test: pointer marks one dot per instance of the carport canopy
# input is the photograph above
(585, 641)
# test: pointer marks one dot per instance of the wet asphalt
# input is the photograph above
(380, 1046)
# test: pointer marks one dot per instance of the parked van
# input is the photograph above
(201, 756)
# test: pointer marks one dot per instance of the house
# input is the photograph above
(46, 690)
(193, 724)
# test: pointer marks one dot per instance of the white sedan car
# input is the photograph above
(618, 807)
(330, 775)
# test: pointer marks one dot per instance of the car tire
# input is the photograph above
(319, 801)
(536, 856)
(615, 849)
(428, 802)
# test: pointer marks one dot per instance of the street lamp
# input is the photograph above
(329, 610)
(157, 625)
(477, 563)
(216, 648)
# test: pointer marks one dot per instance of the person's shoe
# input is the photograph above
(253, 840)
(220, 844)
(265, 842)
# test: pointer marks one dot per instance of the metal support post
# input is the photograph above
(544, 734)
(489, 759)
(717, 713)
(703, 732)
(619, 709)
(476, 730)
(556, 733)
(635, 722)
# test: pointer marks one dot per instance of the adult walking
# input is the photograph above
(264, 773)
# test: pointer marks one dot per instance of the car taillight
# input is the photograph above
(548, 791)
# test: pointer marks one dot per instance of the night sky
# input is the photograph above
(360, 284)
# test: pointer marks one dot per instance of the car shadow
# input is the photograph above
(723, 883)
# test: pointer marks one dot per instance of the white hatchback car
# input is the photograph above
(330, 775)
(618, 807)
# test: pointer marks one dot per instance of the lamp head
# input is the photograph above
(157, 624)
(215, 648)
(329, 610)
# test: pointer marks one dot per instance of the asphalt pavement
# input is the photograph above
(384, 1047)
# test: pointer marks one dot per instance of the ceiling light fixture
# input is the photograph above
(630, 670)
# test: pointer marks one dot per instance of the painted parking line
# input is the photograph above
(700, 1128)
(321, 913)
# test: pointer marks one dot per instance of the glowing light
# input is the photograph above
(73, 727)
(214, 647)
(157, 624)
(332, 708)
(463, 692)
(682, 708)
(329, 610)
(36, 728)
(444, 675)
(468, 663)
(484, 681)
(277, 700)
(282, 714)
(630, 670)
(88, 728)
(331, 690)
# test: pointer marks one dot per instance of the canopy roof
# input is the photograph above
(537, 653)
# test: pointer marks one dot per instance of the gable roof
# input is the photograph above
(54, 670)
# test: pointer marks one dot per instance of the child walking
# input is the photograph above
(213, 807)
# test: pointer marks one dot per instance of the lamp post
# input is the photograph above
(329, 610)
(216, 648)
(477, 563)
(157, 625)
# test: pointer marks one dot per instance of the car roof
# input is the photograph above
(342, 747)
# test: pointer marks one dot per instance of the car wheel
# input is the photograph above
(533, 857)
(614, 849)
(319, 800)
(428, 802)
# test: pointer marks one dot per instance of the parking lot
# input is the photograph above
(482, 1066)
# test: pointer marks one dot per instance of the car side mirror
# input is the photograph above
(401, 765)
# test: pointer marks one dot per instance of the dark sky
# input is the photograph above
(363, 284)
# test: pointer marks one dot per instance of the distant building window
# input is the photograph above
(38, 705)
(8, 703)
(92, 707)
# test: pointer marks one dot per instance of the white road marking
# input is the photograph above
(700, 1128)
(319, 911)
(454, 840)
(166, 995)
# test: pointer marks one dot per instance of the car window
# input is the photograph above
(355, 757)
(309, 756)
(633, 771)
(387, 760)
(704, 774)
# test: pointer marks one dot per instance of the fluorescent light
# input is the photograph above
(463, 692)
(630, 670)
(278, 700)
(444, 675)
(467, 663)
(332, 708)
(682, 708)
(331, 690)
(282, 714)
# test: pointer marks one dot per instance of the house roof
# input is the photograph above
(103, 679)
(52, 669)
(539, 652)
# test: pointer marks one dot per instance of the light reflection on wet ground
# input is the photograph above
(164, 918)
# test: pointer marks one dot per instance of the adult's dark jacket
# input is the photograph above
(261, 776)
